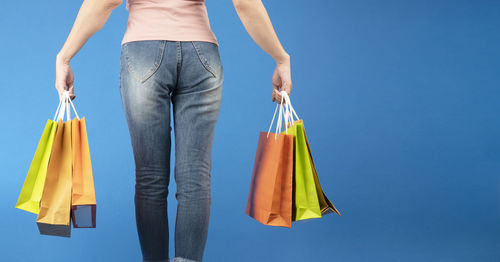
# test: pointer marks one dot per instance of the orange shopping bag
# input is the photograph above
(270, 197)
(55, 203)
(83, 202)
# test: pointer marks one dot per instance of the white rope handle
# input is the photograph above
(289, 112)
(73, 106)
(286, 113)
(64, 107)
(67, 107)
(280, 119)
(271, 125)
(284, 116)
(278, 124)
(57, 111)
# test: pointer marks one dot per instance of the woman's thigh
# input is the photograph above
(196, 105)
(145, 81)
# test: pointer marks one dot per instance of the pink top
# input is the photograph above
(176, 20)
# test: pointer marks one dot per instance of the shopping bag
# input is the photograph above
(325, 204)
(31, 192)
(83, 201)
(55, 205)
(271, 187)
(306, 196)
(310, 200)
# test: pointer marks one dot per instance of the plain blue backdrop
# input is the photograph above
(400, 100)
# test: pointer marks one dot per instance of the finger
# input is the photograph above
(276, 96)
(287, 86)
(276, 86)
(71, 90)
(275, 89)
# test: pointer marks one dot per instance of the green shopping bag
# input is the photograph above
(325, 204)
(31, 192)
(306, 202)
(310, 201)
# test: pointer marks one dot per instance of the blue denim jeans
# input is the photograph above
(187, 76)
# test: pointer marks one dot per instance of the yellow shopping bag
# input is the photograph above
(31, 192)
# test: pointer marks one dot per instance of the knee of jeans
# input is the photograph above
(193, 185)
(152, 183)
(193, 191)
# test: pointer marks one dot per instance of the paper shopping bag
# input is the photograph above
(326, 205)
(83, 201)
(306, 202)
(270, 196)
(55, 204)
(31, 192)
(306, 177)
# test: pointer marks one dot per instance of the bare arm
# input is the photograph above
(91, 18)
(254, 17)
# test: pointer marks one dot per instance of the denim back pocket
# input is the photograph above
(143, 58)
(208, 53)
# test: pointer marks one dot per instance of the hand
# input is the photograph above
(282, 79)
(64, 78)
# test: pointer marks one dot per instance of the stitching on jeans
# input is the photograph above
(203, 60)
(179, 57)
(152, 70)
(121, 68)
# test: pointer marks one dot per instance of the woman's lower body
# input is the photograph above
(187, 76)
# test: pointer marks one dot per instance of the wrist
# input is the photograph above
(61, 58)
(283, 58)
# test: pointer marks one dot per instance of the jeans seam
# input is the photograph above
(179, 58)
(203, 60)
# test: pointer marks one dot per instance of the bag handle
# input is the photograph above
(72, 105)
(61, 109)
(57, 111)
(64, 106)
(280, 119)
(289, 111)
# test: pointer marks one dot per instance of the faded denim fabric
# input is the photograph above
(187, 76)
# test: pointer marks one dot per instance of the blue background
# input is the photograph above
(401, 103)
